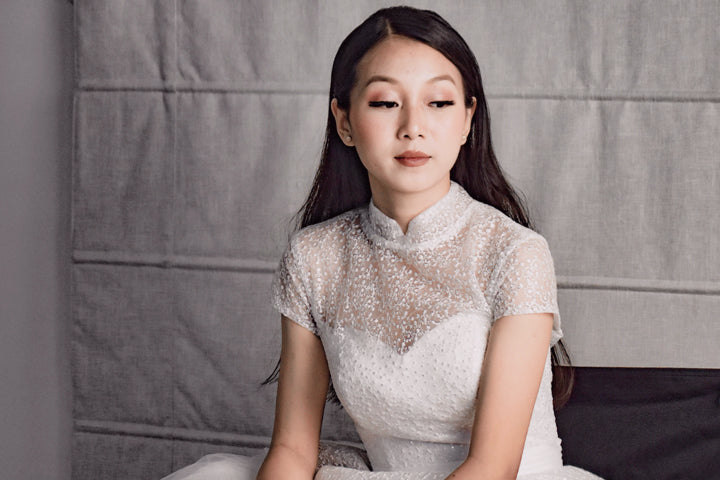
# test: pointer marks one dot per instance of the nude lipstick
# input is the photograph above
(412, 158)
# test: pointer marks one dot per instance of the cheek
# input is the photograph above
(365, 138)
(454, 126)
(370, 161)
(367, 127)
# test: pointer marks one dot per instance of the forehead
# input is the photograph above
(406, 61)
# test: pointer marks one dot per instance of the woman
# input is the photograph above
(415, 283)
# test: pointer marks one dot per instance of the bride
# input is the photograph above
(415, 289)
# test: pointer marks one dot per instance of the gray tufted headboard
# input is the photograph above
(197, 128)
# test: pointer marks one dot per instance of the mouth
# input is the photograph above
(412, 158)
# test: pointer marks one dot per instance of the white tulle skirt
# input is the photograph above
(337, 473)
(225, 466)
(221, 466)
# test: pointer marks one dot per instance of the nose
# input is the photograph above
(412, 122)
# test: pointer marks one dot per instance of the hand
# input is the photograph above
(285, 463)
(472, 469)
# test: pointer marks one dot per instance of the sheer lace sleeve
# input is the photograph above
(289, 291)
(524, 282)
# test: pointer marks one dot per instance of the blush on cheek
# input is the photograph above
(364, 130)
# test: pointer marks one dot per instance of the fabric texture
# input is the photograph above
(226, 466)
(404, 319)
(360, 268)
(339, 473)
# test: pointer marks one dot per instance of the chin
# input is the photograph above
(419, 185)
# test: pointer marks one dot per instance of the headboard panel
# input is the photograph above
(198, 126)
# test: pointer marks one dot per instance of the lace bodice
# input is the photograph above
(404, 320)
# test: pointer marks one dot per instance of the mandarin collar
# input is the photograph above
(433, 223)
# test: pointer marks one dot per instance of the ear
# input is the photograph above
(469, 112)
(342, 123)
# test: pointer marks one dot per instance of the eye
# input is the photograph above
(383, 104)
(442, 103)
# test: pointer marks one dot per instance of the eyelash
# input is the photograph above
(438, 104)
(442, 103)
(383, 104)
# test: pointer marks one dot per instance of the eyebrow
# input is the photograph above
(382, 78)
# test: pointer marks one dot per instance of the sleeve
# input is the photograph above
(525, 282)
(290, 295)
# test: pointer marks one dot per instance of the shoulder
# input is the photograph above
(333, 231)
(499, 234)
(513, 251)
(323, 244)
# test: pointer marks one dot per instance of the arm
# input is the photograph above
(511, 374)
(302, 388)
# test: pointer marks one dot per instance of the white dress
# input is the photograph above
(404, 321)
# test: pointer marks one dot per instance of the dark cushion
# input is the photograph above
(643, 423)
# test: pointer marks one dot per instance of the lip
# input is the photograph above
(412, 158)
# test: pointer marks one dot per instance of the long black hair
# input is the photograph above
(341, 181)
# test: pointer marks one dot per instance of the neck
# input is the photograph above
(403, 207)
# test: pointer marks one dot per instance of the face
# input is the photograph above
(407, 118)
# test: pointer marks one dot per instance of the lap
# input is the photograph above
(220, 466)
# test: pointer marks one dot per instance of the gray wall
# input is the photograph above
(35, 138)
